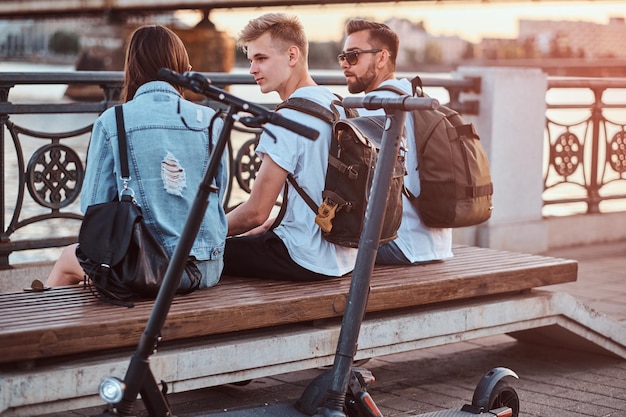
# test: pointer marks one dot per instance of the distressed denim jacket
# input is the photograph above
(168, 153)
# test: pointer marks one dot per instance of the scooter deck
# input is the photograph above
(274, 410)
(288, 410)
(460, 413)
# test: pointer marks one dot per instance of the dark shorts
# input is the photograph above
(264, 256)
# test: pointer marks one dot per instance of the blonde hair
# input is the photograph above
(283, 28)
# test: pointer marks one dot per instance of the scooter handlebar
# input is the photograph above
(276, 119)
(188, 80)
(406, 103)
(260, 115)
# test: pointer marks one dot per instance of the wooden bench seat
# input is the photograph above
(69, 321)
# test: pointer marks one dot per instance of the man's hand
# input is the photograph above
(260, 229)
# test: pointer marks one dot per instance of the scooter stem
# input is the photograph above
(366, 256)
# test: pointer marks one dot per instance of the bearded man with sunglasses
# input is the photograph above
(368, 61)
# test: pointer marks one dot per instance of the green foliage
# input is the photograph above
(64, 42)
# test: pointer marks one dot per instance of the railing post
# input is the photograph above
(4, 98)
(510, 123)
(593, 189)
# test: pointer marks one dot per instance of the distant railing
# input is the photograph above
(41, 177)
(585, 159)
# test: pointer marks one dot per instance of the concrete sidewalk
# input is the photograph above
(601, 280)
(554, 381)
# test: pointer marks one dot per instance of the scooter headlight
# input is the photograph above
(112, 390)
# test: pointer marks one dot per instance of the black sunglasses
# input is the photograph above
(353, 56)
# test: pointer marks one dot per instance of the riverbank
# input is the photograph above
(44, 60)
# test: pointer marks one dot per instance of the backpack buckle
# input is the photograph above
(353, 173)
(325, 215)
(349, 170)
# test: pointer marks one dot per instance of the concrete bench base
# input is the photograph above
(216, 360)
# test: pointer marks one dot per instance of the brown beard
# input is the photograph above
(360, 84)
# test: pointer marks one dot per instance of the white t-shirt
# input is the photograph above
(417, 242)
(307, 161)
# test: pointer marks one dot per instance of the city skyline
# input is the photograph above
(469, 20)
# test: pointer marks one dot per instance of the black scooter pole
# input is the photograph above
(395, 109)
(139, 378)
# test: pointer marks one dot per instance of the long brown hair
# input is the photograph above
(151, 48)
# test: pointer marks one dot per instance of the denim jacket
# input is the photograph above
(168, 153)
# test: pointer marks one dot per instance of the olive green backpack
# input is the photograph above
(455, 181)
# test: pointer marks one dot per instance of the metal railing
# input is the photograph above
(585, 158)
(41, 177)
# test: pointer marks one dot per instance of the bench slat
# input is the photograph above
(65, 321)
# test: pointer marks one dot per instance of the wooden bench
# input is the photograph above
(247, 328)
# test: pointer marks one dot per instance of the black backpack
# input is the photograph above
(455, 181)
(354, 147)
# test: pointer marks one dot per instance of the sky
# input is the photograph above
(471, 20)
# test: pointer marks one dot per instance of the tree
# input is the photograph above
(64, 42)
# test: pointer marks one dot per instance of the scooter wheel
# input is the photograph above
(504, 395)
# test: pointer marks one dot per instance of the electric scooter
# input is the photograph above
(341, 391)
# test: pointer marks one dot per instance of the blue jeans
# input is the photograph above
(390, 254)
(211, 271)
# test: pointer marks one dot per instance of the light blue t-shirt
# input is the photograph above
(307, 161)
(417, 242)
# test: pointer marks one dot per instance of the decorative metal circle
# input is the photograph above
(247, 165)
(617, 152)
(566, 154)
(54, 176)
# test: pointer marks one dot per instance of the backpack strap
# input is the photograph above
(121, 141)
(310, 107)
(391, 88)
(416, 87)
(307, 198)
(314, 109)
(462, 128)
(329, 116)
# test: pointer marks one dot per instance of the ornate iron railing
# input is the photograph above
(585, 168)
(41, 177)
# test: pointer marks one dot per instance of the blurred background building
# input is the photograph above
(97, 43)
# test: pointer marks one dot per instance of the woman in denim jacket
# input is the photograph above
(168, 153)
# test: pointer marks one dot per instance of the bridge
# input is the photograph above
(14, 9)
(18, 9)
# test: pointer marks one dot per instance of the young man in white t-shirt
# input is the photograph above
(368, 61)
(294, 250)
